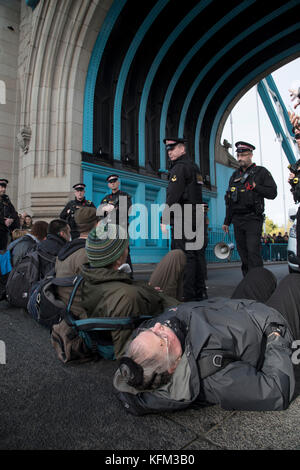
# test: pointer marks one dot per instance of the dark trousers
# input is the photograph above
(194, 273)
(247, 233)
(261, 285)
(3, 239)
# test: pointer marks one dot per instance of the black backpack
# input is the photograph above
(23, 276)
(44, 306)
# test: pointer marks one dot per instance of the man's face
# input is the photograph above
(245, 159)
(2, 189)
(66, 234)
(161, 343)
(176, 151)
(79, 194)
(113, 184)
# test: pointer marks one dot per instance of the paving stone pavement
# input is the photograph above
(45, 405)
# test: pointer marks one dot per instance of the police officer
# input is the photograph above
(185, 189)
(111, 204)
(9, 219)
(244, 199)
(69, 211)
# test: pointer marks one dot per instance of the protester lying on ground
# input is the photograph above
(21, 246)
(231, 352)
(73, 255)
(108, 291)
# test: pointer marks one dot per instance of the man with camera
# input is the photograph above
(68, 213)
(244, 200)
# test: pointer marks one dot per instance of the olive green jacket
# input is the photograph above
(110, 293)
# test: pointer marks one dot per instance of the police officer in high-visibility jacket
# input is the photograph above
(185, 190)
(244, 200)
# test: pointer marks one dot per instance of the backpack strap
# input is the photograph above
(214, 361)
(109, 323)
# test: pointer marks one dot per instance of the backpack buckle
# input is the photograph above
(217, 360)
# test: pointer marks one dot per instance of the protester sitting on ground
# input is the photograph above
(231, 352)
(108, 291)
(73, 255)
(58, 235)
(21, 246)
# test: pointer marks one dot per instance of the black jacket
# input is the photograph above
(242, 198)
(7, 210)
(184, 187)
(114, 199)
(50, 248)
(69, 210)
(234, 327)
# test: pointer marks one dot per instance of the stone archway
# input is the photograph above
(58, 38)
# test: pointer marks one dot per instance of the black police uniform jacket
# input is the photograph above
(68, 212)
(7, 210)
(113, 198)
(242, 198)
(184, 184)
(234, 327)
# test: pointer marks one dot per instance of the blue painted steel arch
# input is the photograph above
(88, 106)
(210, 64)
(235, 11)
(241, 85)
(153, 69)
(124, 72)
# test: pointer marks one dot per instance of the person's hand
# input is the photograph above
(225, 228)
(291, 176)
(294, 96)
(164, 228)
(108, 208)
(8, 222)
(294, 120)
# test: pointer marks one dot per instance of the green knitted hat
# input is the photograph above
(105, 244)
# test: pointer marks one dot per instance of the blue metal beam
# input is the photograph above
(267, 102)
(138, 38)
(153, 69)
(246, 80)
(180, 69)
(89, 92)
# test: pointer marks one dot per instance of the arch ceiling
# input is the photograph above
(174, 68)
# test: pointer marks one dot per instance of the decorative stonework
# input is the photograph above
(23, 139)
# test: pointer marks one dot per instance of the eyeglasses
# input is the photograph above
(113, 180)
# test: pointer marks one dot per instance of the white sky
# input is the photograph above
(245, 127)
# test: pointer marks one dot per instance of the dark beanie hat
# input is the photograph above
(85, 218)
(105, 244)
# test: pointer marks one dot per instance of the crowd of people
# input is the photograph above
(233, 352)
